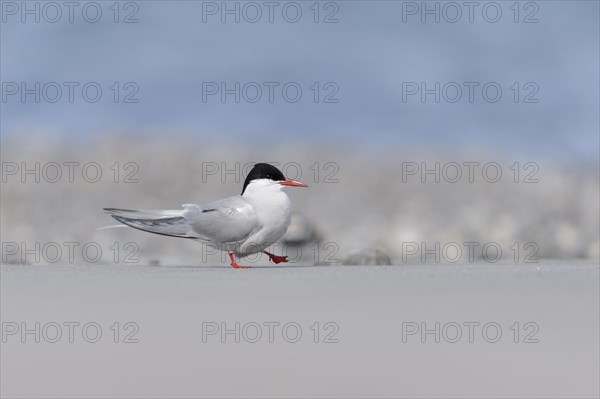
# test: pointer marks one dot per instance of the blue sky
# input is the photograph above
(361, 78)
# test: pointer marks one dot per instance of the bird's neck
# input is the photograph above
(268, 200)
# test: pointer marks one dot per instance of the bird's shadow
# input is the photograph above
(232, 268)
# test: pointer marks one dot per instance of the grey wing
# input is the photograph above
(229, 220)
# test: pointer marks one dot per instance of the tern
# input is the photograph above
(241, 225)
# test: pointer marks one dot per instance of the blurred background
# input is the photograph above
(415, 124)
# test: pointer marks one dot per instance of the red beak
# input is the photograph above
(293, 183)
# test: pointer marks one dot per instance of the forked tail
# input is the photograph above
(164, 222)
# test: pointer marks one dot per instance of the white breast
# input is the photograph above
(273, 212)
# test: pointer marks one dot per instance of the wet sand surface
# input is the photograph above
(328, 331)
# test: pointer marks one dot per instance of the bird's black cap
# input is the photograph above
(263, 171)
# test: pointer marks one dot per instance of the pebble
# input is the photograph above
(302, 231)
(368, 256)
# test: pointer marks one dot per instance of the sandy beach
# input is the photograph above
(211, 331)
(447, 244)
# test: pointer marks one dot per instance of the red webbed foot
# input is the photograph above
(234, 263)
(276, 259)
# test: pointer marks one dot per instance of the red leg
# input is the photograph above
(275, 258)
(234, 264)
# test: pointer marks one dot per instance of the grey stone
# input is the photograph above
(301, 231)
(368, 256)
